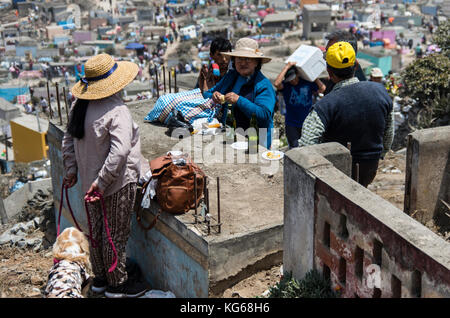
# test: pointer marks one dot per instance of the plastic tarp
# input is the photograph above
(134, 46)
(9, 93)
(203, 55)
(190, 104)
(262, 13)
(30, 74)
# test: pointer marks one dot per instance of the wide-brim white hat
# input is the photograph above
(247, 47)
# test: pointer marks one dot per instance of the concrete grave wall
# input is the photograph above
(366, 246)
(428, 174)
(176, 254)
(299, 183)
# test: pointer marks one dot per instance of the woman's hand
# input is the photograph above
(70, 180)
(204, 70)
(90, 196)
(231, 98)
(217, 98)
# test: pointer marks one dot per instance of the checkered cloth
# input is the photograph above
(190, 104)
(22, 99)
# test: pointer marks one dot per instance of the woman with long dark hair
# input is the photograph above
(102, 146)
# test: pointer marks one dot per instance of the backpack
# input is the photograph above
(176, 192)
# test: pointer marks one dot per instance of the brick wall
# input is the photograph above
(365, 257)
(364, 244)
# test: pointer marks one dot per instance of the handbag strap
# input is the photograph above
(152, 223)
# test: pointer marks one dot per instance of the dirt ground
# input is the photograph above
(23, 273)
(389, 183)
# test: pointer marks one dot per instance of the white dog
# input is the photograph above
(68, 276)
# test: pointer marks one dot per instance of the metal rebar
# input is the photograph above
(205, 194)
(157, 83)
(59, 105)
(164, 78)
(218, 203)
(208, 215)
(169, 81)
(207, 199)
(49, 103)
(195, 193)
(65, 103)
(175, 81)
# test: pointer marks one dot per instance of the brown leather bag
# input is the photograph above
(175, 191)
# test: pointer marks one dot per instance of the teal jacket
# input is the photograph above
(256, 96)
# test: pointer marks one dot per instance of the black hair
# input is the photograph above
(258, 67)
(345, 36)
(343, 73)
(221, 45)
(75, 127)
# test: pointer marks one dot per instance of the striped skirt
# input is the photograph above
(119, 208)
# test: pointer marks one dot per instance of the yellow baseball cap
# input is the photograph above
(341, 55)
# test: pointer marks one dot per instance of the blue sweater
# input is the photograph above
(256, 96)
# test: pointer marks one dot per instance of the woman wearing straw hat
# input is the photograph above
(247, 89)
(102, 145)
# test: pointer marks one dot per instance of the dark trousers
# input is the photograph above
(293, 134)
(366, 172)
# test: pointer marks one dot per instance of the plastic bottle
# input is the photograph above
(253, 137)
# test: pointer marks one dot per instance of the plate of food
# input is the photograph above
(240, 145)
(272, 155)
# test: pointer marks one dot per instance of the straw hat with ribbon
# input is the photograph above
(247, 47)
(104, 77)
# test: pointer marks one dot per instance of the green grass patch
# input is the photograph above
(313, 285)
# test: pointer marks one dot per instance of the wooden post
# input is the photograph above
(65, 103)
(59, 105)
(169, 81)
(157, 82)
(175, 81)
(164, 78)
(49, 103)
